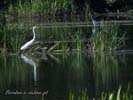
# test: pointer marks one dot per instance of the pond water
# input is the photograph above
(54, 76)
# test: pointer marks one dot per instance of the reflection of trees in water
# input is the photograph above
(71, 73)
(75, 72)
(62, 73)
(11, 71)
(16, 70)
(105, 71)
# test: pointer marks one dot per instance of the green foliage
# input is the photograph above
(11, 39)
(105, 96)
(39, 7)
(64, 39)
(107, 38)
(83, 96)
(15, 39)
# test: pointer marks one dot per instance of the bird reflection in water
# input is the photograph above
(30, 61)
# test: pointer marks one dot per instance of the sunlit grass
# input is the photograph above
(3, 36)
(61, 39)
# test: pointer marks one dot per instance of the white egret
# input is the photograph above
(96, 27)
(29, 43)
(94, 22)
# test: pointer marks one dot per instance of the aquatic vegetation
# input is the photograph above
(36, 7)
(15, 41)
(3, 38)
(120, 95)
(40, 7)
(11, 39)
(107, 37)
(83, 96)
(64, 39)
(61, 39)
(3, 33)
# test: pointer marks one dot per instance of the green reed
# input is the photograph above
(39, 6)
(107, 37)
(120, 95)
(12, 39)
(16, 40)
(3, 38)
(60, 39)
(103, 75)
(47, 7)
(3, 33)
(82, 96)
(57, 38)
(54, 39)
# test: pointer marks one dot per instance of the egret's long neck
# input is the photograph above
(33, 33)
(93, 21)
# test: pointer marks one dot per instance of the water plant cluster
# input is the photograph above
(105, 38)
(63, 39)
(120, 95)
(11, 39)
(44, 7)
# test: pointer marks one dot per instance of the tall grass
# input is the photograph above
(39, 6)
(54, 39)
(107, 37)
(61, 39)
(120, 95)
(47, 7)
(12, 39)
(3, 33)
(83, 96)
(16, 39)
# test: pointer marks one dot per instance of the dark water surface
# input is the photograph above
(56, 75)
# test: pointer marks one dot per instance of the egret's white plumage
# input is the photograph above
(29, 43)
(94, 23)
